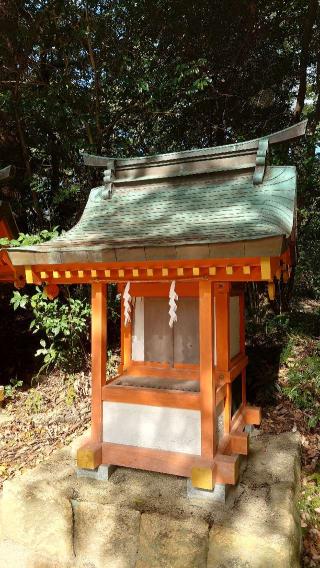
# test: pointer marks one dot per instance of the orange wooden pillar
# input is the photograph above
(89, 456)
(243, 345)
(98, 355)
(222, 318)
(207, 378)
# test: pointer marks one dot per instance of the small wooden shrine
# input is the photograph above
(180, 234)
(8, 226)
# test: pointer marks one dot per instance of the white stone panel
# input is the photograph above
(155, 427)
(234, 326)
(138, 331)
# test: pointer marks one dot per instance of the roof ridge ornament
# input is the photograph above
(261, 161)
(108, 177)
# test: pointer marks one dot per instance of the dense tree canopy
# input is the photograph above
(129, 77)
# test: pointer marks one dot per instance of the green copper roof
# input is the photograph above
(202, 203)
(204, 211)
(197, 210)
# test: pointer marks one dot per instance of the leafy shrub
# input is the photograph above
(10, 390)
(24, 239)
(34, 402)
(303, 386)
(309, 502)
(63, 322)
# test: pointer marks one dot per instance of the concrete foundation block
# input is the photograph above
(241, 548)
(101, 473)
(105, 535)
(37, 517)
(217, 495)
(172, 543)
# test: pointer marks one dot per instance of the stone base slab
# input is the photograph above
(50, 517)
(101, 473)
(217, 495)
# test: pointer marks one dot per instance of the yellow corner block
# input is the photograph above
(89, 456)
(165, 272)
(271, 290)
(135, 272)
(246, 270)
(229, 270)
(265, 268)
(94, 273)
(212, 270)
(107, 273)
(29, 275)
(121, 273)
(149, 271)
(195, 271)
(202, 478)
(179, 271)
(67, 274)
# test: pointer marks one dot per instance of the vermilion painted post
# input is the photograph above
(98, 355)
(243, 346)
(207, 379)
(242, 323)
(222, 318)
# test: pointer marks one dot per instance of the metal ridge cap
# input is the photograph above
(171, 175)
(289, 133)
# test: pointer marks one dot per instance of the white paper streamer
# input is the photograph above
(173, 297)
(127, 304)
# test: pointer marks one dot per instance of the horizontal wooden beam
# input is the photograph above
(152, 460)
(226, 469)
(252, 415)
(152, 397)
(143, 275)
(219, 269)
(227, 376)
(161, 289)
(239, 443)
(165, 370)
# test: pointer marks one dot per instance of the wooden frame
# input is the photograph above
(98, 350)
(235, 270)
(215, 379)
(211, 265)
(207, 380)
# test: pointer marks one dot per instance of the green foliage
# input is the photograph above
(10, 390)
(287, 351)
(34, 402)
(309, 501)
(303, 386)
(71, 391)
(24, 239)
(64, 323)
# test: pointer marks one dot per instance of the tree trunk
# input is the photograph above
(24, 148)
(305, 57)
